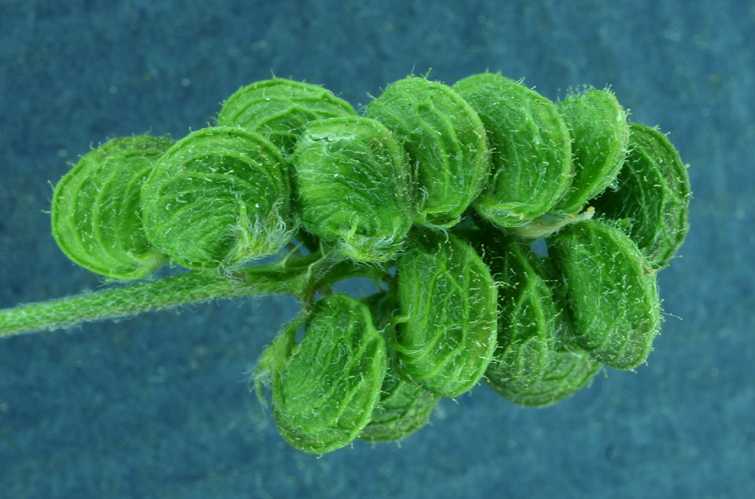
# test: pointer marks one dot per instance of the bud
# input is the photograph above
(280, 109)
(598, 125)
(610, 291)
(217, 198)
(653, 194)
(324, 392)
(446, 143)
(531, 149)
(96, 217)
(446, 334)
(354, 184)
(569, 371)
(527, 314)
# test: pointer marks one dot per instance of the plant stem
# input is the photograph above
(301, 276)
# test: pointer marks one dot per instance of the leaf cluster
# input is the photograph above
(514, 240)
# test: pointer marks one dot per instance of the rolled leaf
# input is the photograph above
(446, 142)
(531, 149)
(324, 394)
(446, 334)
(280, 109)
(404, 407)
(96, 213)
(527, 314)
(569, 371)
(598, 125)
(217, 198)
(353, 187)
(652, 194)
(610, 290)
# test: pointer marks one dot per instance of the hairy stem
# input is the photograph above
(301, 276)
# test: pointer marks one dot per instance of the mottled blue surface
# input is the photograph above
(159, 406)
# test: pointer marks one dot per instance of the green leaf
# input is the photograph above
(324, 394)
(96, 214)
(610, 290)
(280, 109)
(528, 317)
(446, 143)
(653, 194)
(217, 198)
(598, 126)
(447, 331)
(531, 149)
(353, 187)
(403, 407)
(569, 371)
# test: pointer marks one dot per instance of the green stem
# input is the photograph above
(301, 276)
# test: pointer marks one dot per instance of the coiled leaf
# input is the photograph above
(96, 213)
(218, 197)
(610, 291)
(569, 371)
(531, 149)
(280, 109)
(325, 391)
(527, 314)
(446, 142)
(653, 194)
(598, 125)
(446, 335)
(353, 186)
(403, 407)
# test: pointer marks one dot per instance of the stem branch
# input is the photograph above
(300, 276)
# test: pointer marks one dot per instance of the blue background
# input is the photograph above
(159, 405)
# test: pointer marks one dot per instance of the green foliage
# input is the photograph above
(218, 197)
(529, 317)
(446, 334)
(610, 291)
(598, 126)
(652, 195)
(353, 186)
(530, 146)
(280, 109)
(404, 407)
(446, 143)
(96, 213)
(325, 388)
(568, 372)
(440, 196)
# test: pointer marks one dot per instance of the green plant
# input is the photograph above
(445, 197)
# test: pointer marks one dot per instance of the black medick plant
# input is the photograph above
(437, 194)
